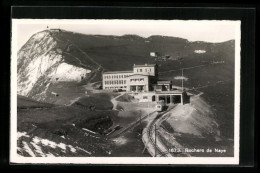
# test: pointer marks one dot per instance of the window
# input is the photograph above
(145, 97)
(140, 70)
(124, 81)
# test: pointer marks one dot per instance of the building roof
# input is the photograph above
(145, 65)
(116, 72)
(139, 75)
(170, 92)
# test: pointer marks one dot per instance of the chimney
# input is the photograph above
(145, 64)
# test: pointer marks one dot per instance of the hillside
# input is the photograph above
(63, 131)
(194, 125)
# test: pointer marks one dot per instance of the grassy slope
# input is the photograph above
(53, 122)
(194, 126)
(24, 103)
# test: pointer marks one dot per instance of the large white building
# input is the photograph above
(143, 83)
(141, 79)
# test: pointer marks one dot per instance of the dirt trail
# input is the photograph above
(114, 101)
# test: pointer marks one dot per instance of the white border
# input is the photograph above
(14, 158)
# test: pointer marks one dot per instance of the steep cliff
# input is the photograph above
(48, 59)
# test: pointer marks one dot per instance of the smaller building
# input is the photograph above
(167, 97)
(154, 54)
(163, 85)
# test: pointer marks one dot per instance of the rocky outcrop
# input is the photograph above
(44, 60)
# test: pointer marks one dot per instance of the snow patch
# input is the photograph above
(199, 51)
(62, 146)
(28, 149)
(72, 149)
(120, 141)
(46, 142)
(181, 77)
(49, 155)
(38, 149)
(20, 134)
(67, 72)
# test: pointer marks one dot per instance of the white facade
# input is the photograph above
(138, 83)
(136, 80)
(115, 80)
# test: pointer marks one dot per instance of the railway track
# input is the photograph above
(151, 137)
(134, 124)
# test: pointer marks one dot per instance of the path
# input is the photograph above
(114, 101)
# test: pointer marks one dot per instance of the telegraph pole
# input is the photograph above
(140, 118)
(182, 79)
(155, 140)
(148, 110)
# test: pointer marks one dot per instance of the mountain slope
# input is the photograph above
(45, 59)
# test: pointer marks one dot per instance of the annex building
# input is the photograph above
(143, 83)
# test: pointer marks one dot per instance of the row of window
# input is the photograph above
(115, 82)
(120, 76)
(115, 87)
(137, 80)
(145, 70)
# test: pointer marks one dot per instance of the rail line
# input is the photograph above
(132, 125)
(158, 151)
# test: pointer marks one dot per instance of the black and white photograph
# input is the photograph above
(125, 91)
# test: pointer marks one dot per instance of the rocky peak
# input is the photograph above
(45, 59)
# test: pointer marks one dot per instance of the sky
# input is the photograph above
(204, 30)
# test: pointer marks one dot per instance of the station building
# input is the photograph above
(142, 83)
